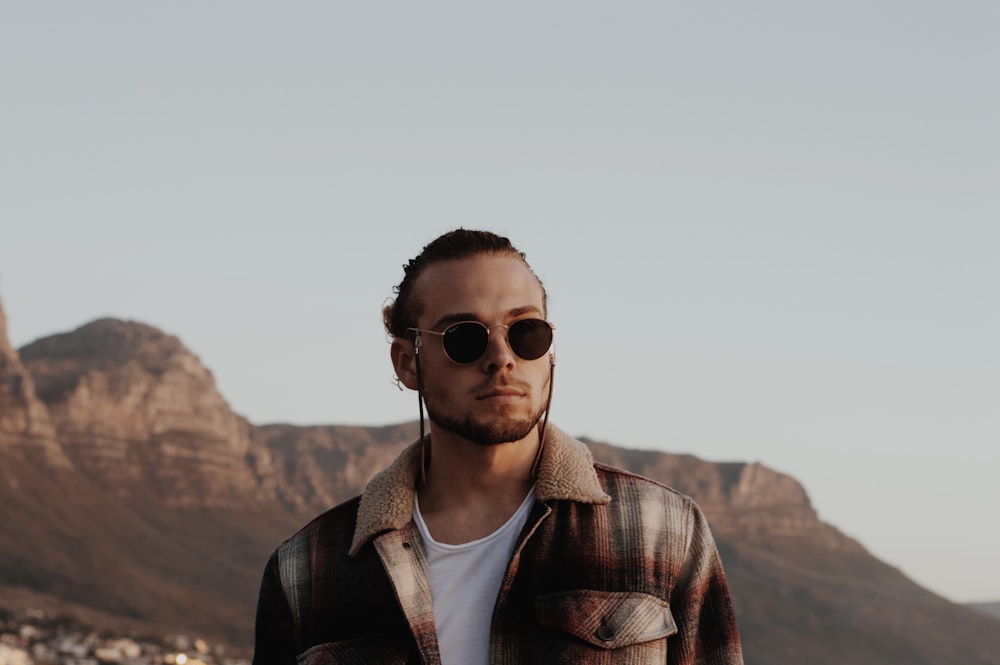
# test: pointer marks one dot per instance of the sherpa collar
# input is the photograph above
(565, 472)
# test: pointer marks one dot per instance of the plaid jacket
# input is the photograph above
(610, 568)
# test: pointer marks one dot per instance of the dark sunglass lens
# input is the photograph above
(530, 338)
(465, 342)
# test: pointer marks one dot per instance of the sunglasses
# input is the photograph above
(467, 341)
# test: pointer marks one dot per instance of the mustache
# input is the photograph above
(494, 386)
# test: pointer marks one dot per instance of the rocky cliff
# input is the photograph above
(25, 426)
(166, 504)
(310, 469)
(139, 413)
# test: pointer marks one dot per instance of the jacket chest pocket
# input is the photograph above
(615, 626)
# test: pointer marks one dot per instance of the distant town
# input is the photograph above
(36, 638)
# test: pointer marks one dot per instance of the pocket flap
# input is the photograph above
(606, 619)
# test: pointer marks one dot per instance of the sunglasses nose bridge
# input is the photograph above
(504, 340)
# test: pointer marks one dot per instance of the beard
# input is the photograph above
(499, 430)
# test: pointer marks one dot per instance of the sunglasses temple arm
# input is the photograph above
(420, 406)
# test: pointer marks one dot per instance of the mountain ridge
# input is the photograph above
(163, 488)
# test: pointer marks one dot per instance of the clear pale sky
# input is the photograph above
(770, 231)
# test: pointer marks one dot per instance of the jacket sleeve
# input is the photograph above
(274, 632)
(702, 608)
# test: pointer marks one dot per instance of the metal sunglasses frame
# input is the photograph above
(489, 330)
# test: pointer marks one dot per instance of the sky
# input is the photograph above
(769, 231)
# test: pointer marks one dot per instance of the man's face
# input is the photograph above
(499, 397)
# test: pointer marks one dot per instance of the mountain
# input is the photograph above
(131, 493)
(26, 431)
(992, 608)
(140, 415)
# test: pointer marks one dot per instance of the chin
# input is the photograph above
(492, 433)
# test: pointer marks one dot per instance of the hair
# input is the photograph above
(405, 309)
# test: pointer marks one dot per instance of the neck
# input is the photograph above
(462, 470)
(472, 489)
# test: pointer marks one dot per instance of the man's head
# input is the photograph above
(403, 312)
(497, 392)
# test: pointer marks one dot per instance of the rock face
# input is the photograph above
(25, 426)
(312, 468)
(137, 412)
(749, 499)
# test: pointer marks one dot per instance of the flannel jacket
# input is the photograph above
(610, 568)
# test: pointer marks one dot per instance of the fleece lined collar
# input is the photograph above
(565, 472)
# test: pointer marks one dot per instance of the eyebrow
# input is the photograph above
(458, 317)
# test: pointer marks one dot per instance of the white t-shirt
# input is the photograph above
(465, 582)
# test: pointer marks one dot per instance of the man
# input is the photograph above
(496, 538)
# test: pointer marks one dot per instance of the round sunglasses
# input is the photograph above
(466, 342)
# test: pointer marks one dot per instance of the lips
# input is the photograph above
(501, 395)
(500, 391)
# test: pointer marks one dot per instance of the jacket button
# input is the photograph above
(605, 632)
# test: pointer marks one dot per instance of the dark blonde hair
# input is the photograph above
(403, 312)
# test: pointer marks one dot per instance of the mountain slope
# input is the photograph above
(138, 413)
(128, 485)
(993, 608)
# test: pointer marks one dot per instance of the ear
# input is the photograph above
(404, 361)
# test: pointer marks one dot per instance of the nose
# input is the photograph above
(498, 354)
